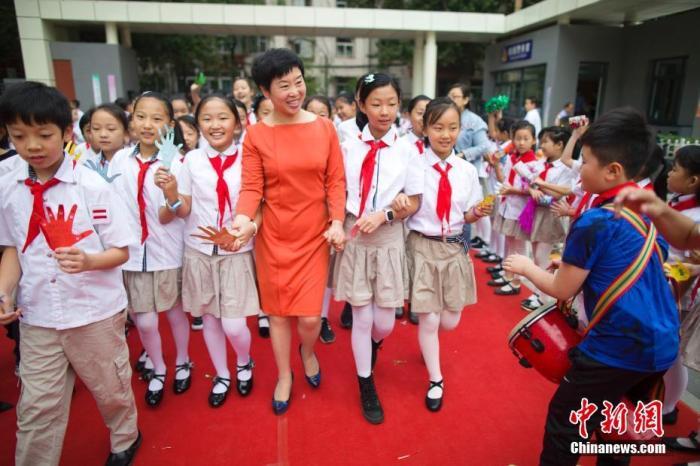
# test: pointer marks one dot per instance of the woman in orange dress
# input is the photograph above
(293, 165)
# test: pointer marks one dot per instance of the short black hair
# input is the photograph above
(257, 100)
(239, 104)
(85, 119)
(505, 124)
(532, 99)
(623, 136)
(464, 87)
(116, 111)
(35, 103)
(319, 98)
(557, 134)
(122, 103)
(416, 100)
(523, 124)
(182, 97)
(274, 63)
(345, 97)
(229, 101)
(688, 158)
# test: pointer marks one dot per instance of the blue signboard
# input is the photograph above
(517, 52)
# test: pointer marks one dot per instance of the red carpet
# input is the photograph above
(493, 411)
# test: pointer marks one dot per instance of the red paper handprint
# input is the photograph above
(222, 238)
(58, 230)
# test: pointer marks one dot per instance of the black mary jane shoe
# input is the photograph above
(126, 457)
(483, 254)
(494, 269)
(245, 386)
(510, 291)
(434, 404)
(182, 385)
(672, 443)
(492, 259)
(280, 407)
(313, 380)
(497, 282)
(264, 330)
(218, 399)
(154, 397)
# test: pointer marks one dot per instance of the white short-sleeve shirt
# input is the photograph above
(348, 130)
(397, 169)
(412, 140)
(164, 246)
(559, 174)
(694, 214)
(49, 297)
(514, 204)
(466, 193)
(198, 179)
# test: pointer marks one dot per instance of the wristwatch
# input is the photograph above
(388, 215)
(173, 208)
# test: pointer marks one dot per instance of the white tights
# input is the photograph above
(370, 322)
(514, 246)
(675, 384)
(428, 327)
(216, 331)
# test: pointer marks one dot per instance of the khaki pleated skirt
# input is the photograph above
(510, 228)
(547, 227)
(690, 338)
(442, 275)
(153, 291)
(372, 267)
(223, 286)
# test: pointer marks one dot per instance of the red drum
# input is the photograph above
(543, 339)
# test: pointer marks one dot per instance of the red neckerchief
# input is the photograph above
(611, 193)
(420, 145)
(444, 196)
(140, 198)
(368, 164)
(684, 205)
(543, 174)
(527, 157)
(222, 192)
(38, 215)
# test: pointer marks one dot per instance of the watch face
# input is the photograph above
(390, 215)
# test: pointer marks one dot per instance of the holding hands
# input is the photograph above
(335, 235)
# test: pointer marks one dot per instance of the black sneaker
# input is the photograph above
(371, 407)
(197, 323)
(327, 335)
(346, 316)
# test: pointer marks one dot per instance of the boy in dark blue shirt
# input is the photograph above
(635, 340)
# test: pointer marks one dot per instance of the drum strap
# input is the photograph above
(633, 272)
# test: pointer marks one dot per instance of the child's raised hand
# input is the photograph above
(72, 260)
(518, 264)
(167, 150)
(166, 181)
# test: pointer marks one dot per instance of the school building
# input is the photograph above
(598, 54)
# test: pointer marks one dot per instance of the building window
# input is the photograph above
(666, 90)
(518, 84)
(302, 47)
(341, 3)
(300, 2)
(344, 47)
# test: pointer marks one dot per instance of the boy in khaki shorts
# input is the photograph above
(64, 230)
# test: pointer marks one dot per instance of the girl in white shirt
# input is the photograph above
(218, 277)
(436, 247)
(416, 110)
(384, 182)
(152, 275)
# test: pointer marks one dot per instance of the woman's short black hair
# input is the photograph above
(416, 100)
(35, 103)
(230, 103)
(623, 136)
(158, 96)
(114, 110)
(273, 64)
(319, 98)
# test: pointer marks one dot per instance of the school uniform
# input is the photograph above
(689, 206)
(512, 205)
(417, 144)
(547, 227)
(216, 282)
(442, 274)
(153, 274)
(84, 151)
(348, 130)
(373, 267)
(71, 323)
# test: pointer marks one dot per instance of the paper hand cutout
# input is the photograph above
(101, 170)
(58, 230)
(167, 150)
(213, 235)
(200, 79)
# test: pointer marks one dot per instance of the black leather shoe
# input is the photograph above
(245, 386)
(182, 385)
(483, 254)
(346, 316)
(413, 317)
(375, 347)
(154, 397)
(398, 313)
(371, 407)
(671, 418)
(434, 404)
(492, 259)
(494, 269)
(264, 327)
(511, 291)
(280, 407)
(327, 335)
(126, 457)
(314, 380)
(498, 282)
(218, 399)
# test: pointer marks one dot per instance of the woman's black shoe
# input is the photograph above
(217, 399)
(245, 386)
(371, 407)
(314, 380)
(264, 326)
(154, 397)
(126, 457)
(182, 385)
(346, 316)
(434, 404)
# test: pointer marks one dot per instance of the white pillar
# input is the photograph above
(418, 50)
(125, 36)
(111, 33)
(35, 38)
(430, 64)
